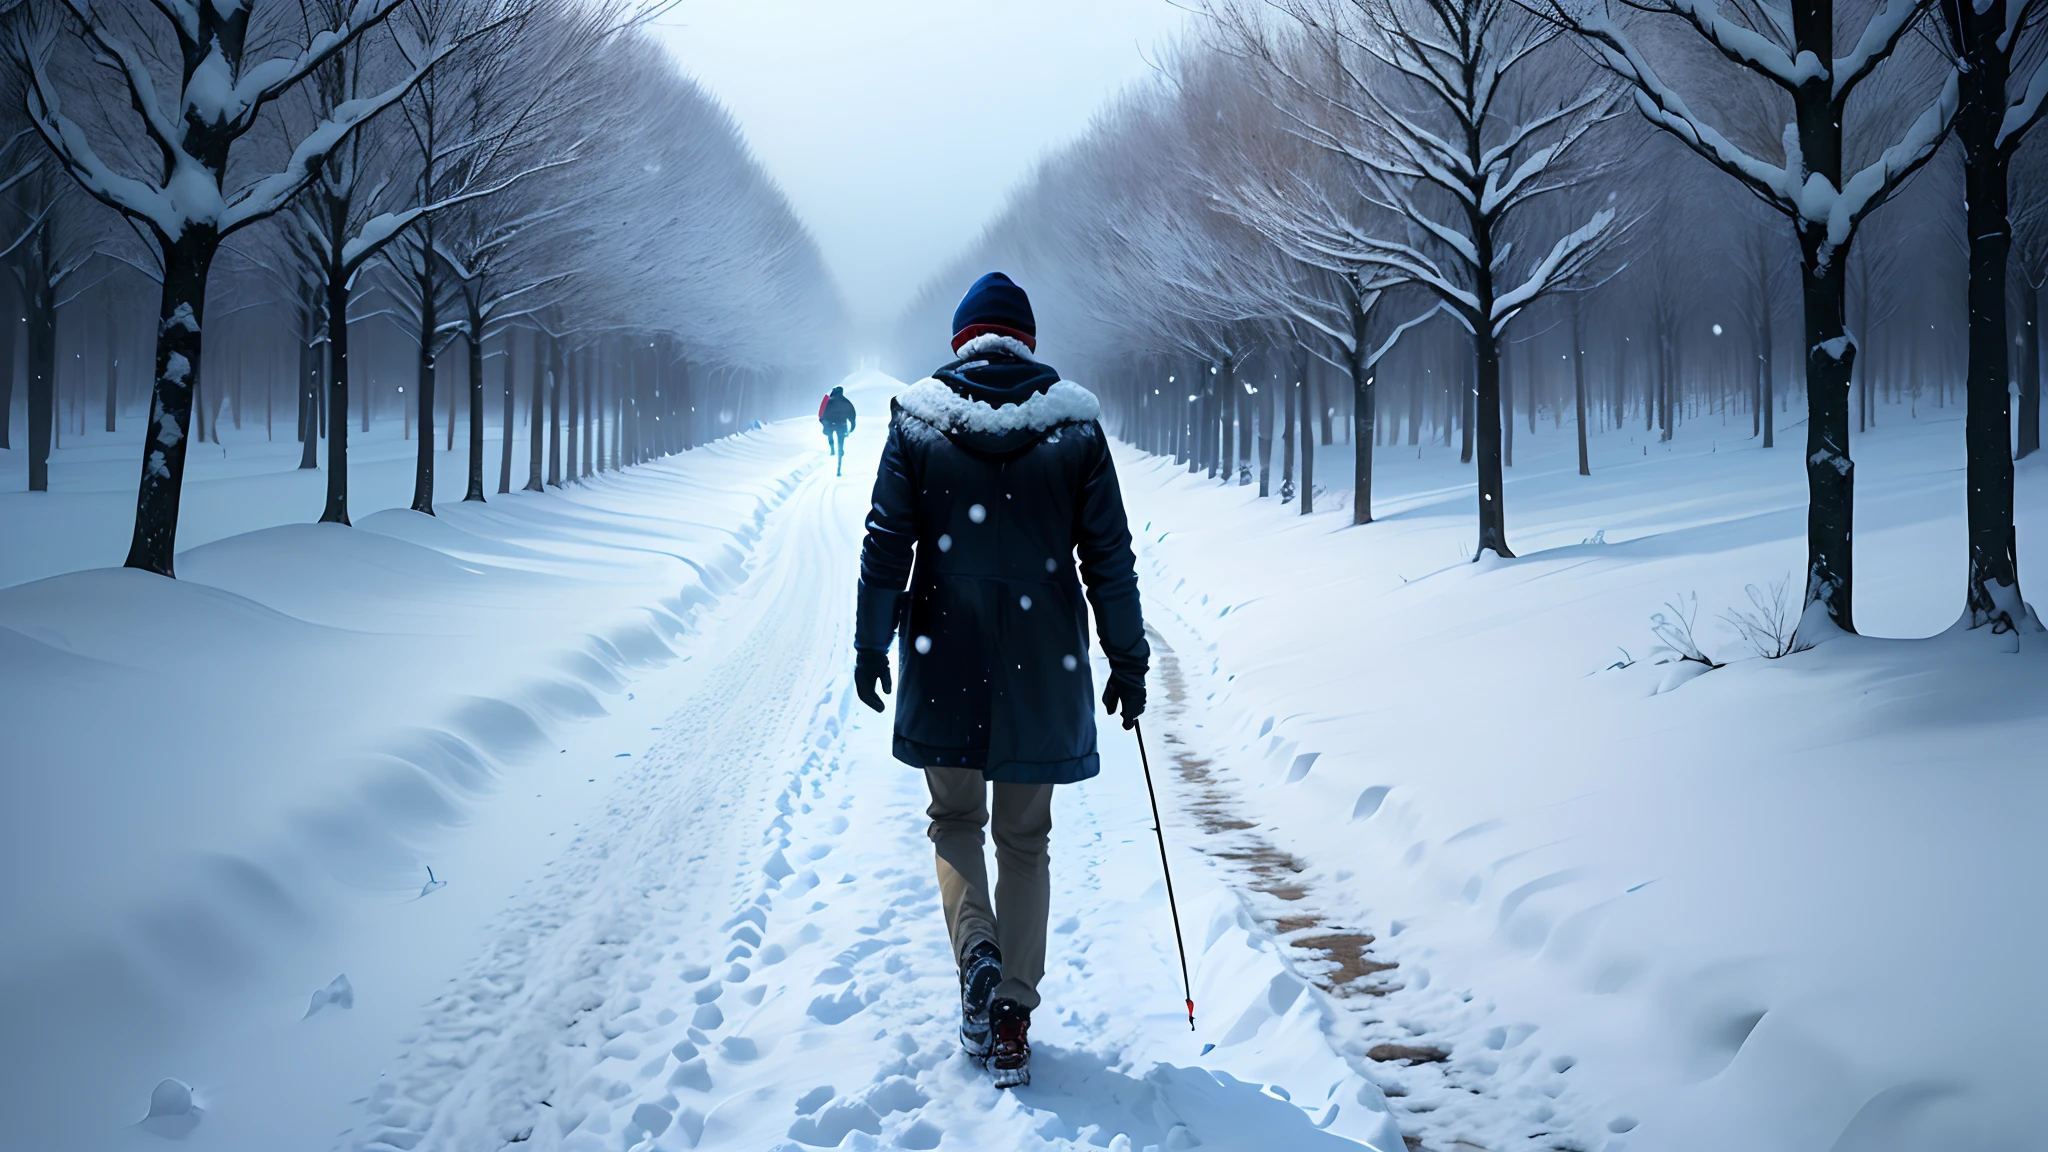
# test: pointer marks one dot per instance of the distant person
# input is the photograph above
(996, 477)
(835, 413)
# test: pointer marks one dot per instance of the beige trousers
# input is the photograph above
(1015, 920)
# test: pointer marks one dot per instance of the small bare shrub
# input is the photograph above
(1771, 626)
(1673, 628)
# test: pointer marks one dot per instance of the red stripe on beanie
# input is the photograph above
(973, 330)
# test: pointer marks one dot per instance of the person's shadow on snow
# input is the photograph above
(1080, 1092)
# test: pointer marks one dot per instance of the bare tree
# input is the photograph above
(2003, 91)
(183, 200)
(1793, 49)
(47, 238)
(1439, 108)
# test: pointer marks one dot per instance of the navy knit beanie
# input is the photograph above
(995, 304)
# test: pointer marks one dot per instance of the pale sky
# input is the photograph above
(897, 127)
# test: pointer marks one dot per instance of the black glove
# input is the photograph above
(870, 666)
(1128, 689)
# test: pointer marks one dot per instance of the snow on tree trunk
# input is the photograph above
(1830, 473)
(1992, 592)
(179, 321)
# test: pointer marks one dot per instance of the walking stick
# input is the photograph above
(1186, 987)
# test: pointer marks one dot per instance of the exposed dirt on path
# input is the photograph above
(1318, 943)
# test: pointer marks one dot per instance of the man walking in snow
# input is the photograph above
(835, 415)
(996, 479)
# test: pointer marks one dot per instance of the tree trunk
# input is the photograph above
(557, 378)
(1830, 473)
(1288, 402)
(1324, 409)
(505, 378)
(427, 377)
(1767, 372)
(309, 389)
(1308, 439)
(687, 402)
(180, 316)
(1493, 533)
(1579, 382)
(114, 374)
(338, 293)
(572, 386)
(1364, 410)
(1265, 418)
(1226, 412)
(1466, 402)
(586, 398)
(42, 385)
(1529, 372)
(7, 335)
(535, 423)
(2030, 372)
(451, 421)
(1993, 592)
(476, 408)
(1507, 405)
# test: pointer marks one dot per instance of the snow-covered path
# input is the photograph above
(748, 951)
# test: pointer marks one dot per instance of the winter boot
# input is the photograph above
(979, 975)
(1009, 1050)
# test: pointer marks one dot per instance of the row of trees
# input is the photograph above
(1445, 203)
(530, 182)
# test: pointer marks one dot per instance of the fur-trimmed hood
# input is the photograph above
(997, 398)
(947, 410)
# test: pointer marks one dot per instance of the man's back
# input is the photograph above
(837, 410)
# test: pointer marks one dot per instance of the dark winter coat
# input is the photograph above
(995, 480)
(836, 409)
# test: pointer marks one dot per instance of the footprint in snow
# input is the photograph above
(339, 992)
(173, 1114)
(836, 1009)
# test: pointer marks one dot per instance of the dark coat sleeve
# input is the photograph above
(886, 555)
(1102, 539)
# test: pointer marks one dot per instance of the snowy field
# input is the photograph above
(1445, 874)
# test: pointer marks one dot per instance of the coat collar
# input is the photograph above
(943, 408)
